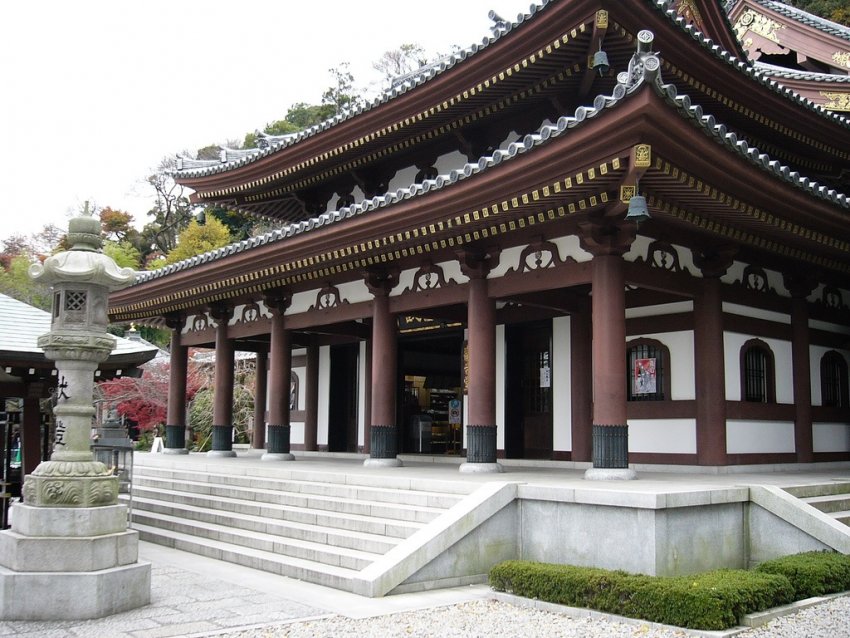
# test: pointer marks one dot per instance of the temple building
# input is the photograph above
(611, 233)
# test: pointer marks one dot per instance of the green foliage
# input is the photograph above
(341, 94)
(835, 10)
(16, 283)
(197, 239)
(239, 225)
(123, 252)
(301, 115)
(812, 573)
(712, 600)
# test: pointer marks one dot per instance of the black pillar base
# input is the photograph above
(222, 438)
(383, 442)
(278, 439)
(480, 443)
(611, 446)
(175, 436)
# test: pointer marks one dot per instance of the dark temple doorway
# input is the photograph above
(342, 410)
(528, 391)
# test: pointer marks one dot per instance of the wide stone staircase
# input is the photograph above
(833, 499)
(323, 529)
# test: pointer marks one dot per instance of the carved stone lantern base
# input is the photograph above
(70, 563)
(71, 484)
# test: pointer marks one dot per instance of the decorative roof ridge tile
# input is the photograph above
(745, 67)
(720, 133)
(809, 19)
(797, 74)
(425, 74)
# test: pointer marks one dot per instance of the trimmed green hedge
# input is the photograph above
(812, 573)
(712, 600)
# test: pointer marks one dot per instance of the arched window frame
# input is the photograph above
(751, 373)
(650, 348)
(833, 380)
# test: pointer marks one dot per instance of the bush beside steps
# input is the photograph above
(711, 600)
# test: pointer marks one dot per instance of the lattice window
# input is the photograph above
(757, 378)
(75, 301)
(833, 380)
(646, 371)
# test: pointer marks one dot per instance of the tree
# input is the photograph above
(302, 115)
(16, 283)
(196, 239)
(341, 93)
(144, 400)
(401, 61)
(171, 212)
(116, 224)
(835, 10)
(239, 225)
(123, 252)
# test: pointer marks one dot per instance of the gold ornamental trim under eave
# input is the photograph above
(358, 256)
(836, 101)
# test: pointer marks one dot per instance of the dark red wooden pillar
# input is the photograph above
(608, 242)
(709, 360)
(175, 420)
(481, 430)
(800, 288)
(383, 433)
(31, 429)
(280, 378)
(222, 429)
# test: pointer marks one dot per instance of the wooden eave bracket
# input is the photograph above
(600, 27)
(640, 159)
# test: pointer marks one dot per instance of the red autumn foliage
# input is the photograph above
(144, 400)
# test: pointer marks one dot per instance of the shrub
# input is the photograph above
(712, 600)
(812, 573)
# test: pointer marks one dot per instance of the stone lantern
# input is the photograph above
(69, 554)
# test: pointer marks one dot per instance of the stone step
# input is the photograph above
(234, 498)
(276, 545)
(829, 503)
(842, 516)
(203, 481)
(279, 525)
(819, 489)
(292, 567)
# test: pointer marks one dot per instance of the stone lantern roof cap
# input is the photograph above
(84, 262)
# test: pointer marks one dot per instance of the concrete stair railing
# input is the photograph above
(801, 506)
(362, 538)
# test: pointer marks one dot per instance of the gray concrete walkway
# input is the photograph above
(196, 596)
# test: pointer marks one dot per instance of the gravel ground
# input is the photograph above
(488, 619)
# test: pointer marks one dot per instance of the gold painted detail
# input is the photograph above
(602, 19)
(754, 21)
(836, 101)
(643, 156)
(627, 192)
(842, 58)
(690, 12)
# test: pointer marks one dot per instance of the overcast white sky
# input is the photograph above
(96, 92)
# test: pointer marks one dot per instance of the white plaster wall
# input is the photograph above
(774, 279)
(664, 436)
(757, 313)
(301, 302)
(403, 178)
(681, 346)
(296, 434)
(747, 437)
(500, 387)
(570, 246)
(660, 309)
(451, 272)
(362, 384)
(562, 433)
(831, 437)
(324, 395)
(353, 291)
(445, 163)
(732, 342)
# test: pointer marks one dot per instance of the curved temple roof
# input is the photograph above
(644, 71)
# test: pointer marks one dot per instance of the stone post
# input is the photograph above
(69, 554)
